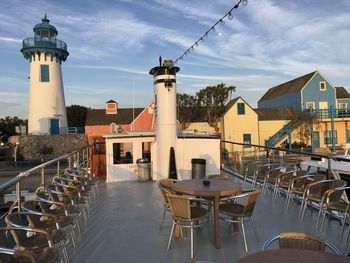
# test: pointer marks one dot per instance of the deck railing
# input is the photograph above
(237, 152)
(77, 156)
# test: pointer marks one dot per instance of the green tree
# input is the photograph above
(8, 124)
(303, 122)
(187, 106)
(76, 115)
(214, 99)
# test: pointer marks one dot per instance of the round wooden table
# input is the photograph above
(293, 255)
(216, 190)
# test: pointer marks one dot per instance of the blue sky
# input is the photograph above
(114, 43)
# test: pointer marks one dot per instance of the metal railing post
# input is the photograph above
(329, 172)
(58, 168)
(83, 156)
(43, 176)
(78, 159)
(69, 162)
(18, 195)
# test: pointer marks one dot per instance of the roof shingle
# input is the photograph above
(274, 114)
(342, 93)
(123, 116)
(287, 87)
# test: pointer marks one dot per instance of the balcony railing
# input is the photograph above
(44, 42)
(330, 113)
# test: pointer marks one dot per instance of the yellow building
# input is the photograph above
(240, 124)
(272, 120)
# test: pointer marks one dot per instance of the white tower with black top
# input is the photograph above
(166, 122)
(47, 109)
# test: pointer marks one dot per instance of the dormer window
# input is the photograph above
(111, 107)
(240, 109)
(323, 86)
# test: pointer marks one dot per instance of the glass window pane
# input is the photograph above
(123, 153)
(44, 73)
(240, 108)
(247, 140)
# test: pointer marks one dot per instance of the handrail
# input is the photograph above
(337, 158)
(26, 173)
(327, 157)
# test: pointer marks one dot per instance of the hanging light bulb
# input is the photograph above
(213, 29)
(197, 43)
(222, 21)
(244, 2)
(230, 16)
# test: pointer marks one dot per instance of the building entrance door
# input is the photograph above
(316, 139)
(54, 127)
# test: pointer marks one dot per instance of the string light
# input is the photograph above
(220, 21)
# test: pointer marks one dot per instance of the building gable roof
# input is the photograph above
(342, 93)
(99, 116)
(274, 114)
(232, 102)
(287, 87)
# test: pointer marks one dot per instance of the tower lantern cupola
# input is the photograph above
(45, 40)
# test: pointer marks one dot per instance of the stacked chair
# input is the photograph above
(45, 227)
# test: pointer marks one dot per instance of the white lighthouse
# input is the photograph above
(47, 109)
(165, 100)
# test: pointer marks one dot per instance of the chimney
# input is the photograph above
(111, 107)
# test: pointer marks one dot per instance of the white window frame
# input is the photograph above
(310, 103)
(342, 105)
(325, 85)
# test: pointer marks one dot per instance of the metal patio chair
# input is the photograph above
(57, 237)
(297, 186)
(295, 240)
(165, 189)
(188, 212)
(38, 243)
(313, 193)
(334, 200)
(239, 208)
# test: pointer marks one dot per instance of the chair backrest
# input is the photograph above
(16, 219)
(250, 201)
(15, 255)
(251, 168)
(165, 188)
(336, 195)
(180, 206)
(296, 240)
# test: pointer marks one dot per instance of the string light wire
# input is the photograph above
(212, 28)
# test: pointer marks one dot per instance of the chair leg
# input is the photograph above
(161, 224)
(318, 218)
(254, 228)
(171, 235)
(286, 205)
(192, 242)
(343, 221)
(244, 237)
(323, 219)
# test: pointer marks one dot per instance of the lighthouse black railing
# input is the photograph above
(44, 42)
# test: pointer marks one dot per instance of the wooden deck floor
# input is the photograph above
(124, 227)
